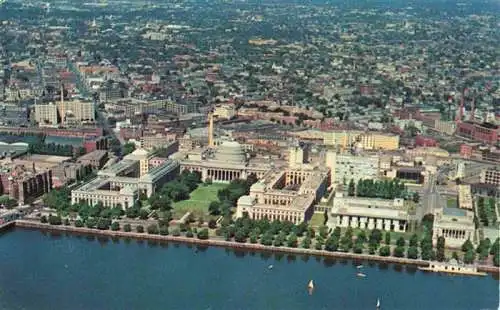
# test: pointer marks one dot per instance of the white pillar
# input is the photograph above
(387, 225)
(371, 223)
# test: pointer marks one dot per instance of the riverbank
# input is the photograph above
(234, 245)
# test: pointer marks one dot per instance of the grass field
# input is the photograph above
(199, 200)
(317, 220)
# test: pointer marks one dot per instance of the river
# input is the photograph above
(39, 270)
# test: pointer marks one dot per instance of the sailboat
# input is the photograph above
(310, 286)
(378, 303)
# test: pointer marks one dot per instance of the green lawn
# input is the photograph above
(317, 220)
(199, 200)
(452, 203)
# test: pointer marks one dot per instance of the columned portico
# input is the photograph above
(371, 223)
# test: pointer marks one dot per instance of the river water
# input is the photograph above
(43, 271)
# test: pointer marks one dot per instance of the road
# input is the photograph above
(102, 118)
(431, 199)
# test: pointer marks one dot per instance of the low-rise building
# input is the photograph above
(95, 159)
(122, 183)
(285, 195)
(369, 213)
(465, 197)
(490, 176)
(455, 225)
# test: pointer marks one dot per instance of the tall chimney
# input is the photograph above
(63, 110)
(211, 129)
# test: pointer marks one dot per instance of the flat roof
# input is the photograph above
(454, 212)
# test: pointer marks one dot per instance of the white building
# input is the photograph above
(122, 182)
(455, 225)
(345, 167)
(369, 213)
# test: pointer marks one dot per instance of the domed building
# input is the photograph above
(230, 152)
(226, 162)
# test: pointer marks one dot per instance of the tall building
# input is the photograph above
(356, 167)
(367, 140)
(46, 114)
(76, 112)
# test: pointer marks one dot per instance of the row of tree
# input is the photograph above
(486, 211)
(387, 189)
(55, 149)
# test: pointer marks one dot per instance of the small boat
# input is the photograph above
(378, 303)
(270, 267)
(310, 286)
(359, 266)
(361, 275)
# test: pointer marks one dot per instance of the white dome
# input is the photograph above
(230, 151)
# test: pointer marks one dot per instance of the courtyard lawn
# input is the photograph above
(317, 220)
(198, 201)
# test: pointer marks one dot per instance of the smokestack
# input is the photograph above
(63, 112)
(211, 129)
(472, 109)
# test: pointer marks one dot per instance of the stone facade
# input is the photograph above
(369, 213)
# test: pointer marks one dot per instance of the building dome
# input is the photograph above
(230, 151)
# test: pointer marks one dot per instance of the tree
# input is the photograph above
(399, 251)
(78, 223)
(337, 232)
(253, 238)
(387, 239)
(176, 232)
(212, 224)
(332, 244)
(496, 259)
(214, 208)
(361, 237)
(495, 248)
(115, 226)
(325, 217)
(454, 256)
(412, 252)
(189, 234)
(267, 238)
(414, 240)
(240, 236)
(152, 229)
(280, 240)
(143, 214)
(306, 243)
(139, 229)
(66, 222)
(401, 241)
(358, 247)
(103, 224)
(323, 231)
(128, 148)
(55, 220)
(127, 228)
(164, 230)
(384, 250)
(351, 189)
(375, 237)
(440, 249)
(90, 223)
(416, 197)
(469, 256)
(43, 219)
(203, 234)
(292, 241)
(467, 246)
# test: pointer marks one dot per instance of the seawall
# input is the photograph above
(234, 245)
